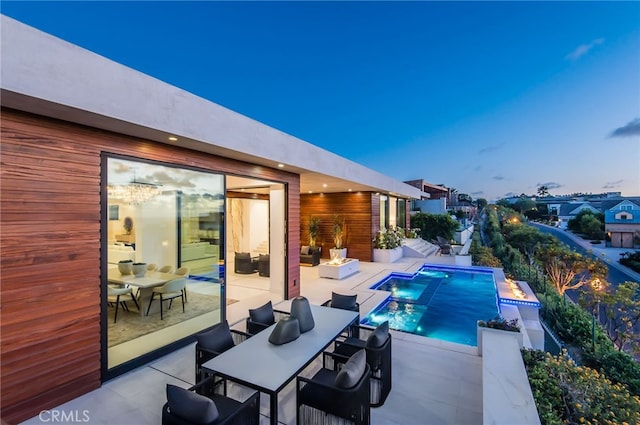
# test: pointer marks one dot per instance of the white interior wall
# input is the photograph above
(247, 225)
(277, 241)
(258, 223)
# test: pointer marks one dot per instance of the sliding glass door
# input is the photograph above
(170, 219)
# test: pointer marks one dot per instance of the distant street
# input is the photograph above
(615, 275)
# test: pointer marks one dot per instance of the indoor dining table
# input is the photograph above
(144, 284)
(263, 366)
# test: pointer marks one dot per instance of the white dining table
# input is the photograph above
(144, 284)
(263, 366)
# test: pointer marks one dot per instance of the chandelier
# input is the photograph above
(134, 192)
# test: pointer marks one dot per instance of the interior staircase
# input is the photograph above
(262, 248)
(418, 248)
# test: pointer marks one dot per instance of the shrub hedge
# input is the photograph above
(603, 369)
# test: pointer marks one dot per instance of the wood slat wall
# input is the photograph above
(50, 215)
(357, 208)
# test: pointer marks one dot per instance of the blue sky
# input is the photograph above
(490, 98)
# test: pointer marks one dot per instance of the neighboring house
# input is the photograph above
(465, 206)
(430, 206)
(568, 211)
(433, 200)
(622, 222)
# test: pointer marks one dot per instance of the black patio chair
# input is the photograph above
(244, 264)
(201, 405)
(262, 317)
(335, 397)
(445, 245)
(377, 346)
(214, 342)
(346, 302)
(264, 265)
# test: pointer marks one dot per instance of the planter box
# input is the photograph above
(387, 255)
(480, 330)
(335, 253)
(463, 260)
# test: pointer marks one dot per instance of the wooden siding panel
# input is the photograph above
(293, 239)
(50, 213)
(354, 206)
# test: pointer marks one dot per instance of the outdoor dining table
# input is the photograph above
(258, 364)
(144, 284)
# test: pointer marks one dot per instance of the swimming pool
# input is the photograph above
(438, 302)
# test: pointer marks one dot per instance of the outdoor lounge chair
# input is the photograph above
(214, 342)
(310, 255)
(264, 265)
(378, 349)
(335, 397)
(201, 405)
(445, 246)
(244, 264)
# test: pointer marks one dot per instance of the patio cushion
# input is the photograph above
(345, 302)
(263, 314)
(190, 406)
(218, 339)
(304, 250)
(314, 249)
(352, 370)
(379, 336)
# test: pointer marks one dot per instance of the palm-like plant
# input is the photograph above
(314, 230)
(338, 230)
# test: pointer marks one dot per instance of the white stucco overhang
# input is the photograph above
(45, 75)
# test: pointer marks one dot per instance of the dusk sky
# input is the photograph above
(489, 98)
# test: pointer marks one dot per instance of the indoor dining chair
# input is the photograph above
(166, 269)
(167, 292)
(183, 271)
(113, 297)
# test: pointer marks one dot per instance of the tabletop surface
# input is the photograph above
(269, 366)
(150, 278)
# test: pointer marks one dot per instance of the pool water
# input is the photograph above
(438, 302)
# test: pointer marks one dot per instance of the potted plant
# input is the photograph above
(387, 245)
(125, 266)
(314, 230)
(338, 231)
(499, 324)
(139, 269)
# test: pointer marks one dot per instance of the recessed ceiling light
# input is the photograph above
(324, 185)
(349, 190)
(280, 165)
(173, 138)
(311, 191)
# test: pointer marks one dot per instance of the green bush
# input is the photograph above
(567, 393)
(620, 367)
(570, 322)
